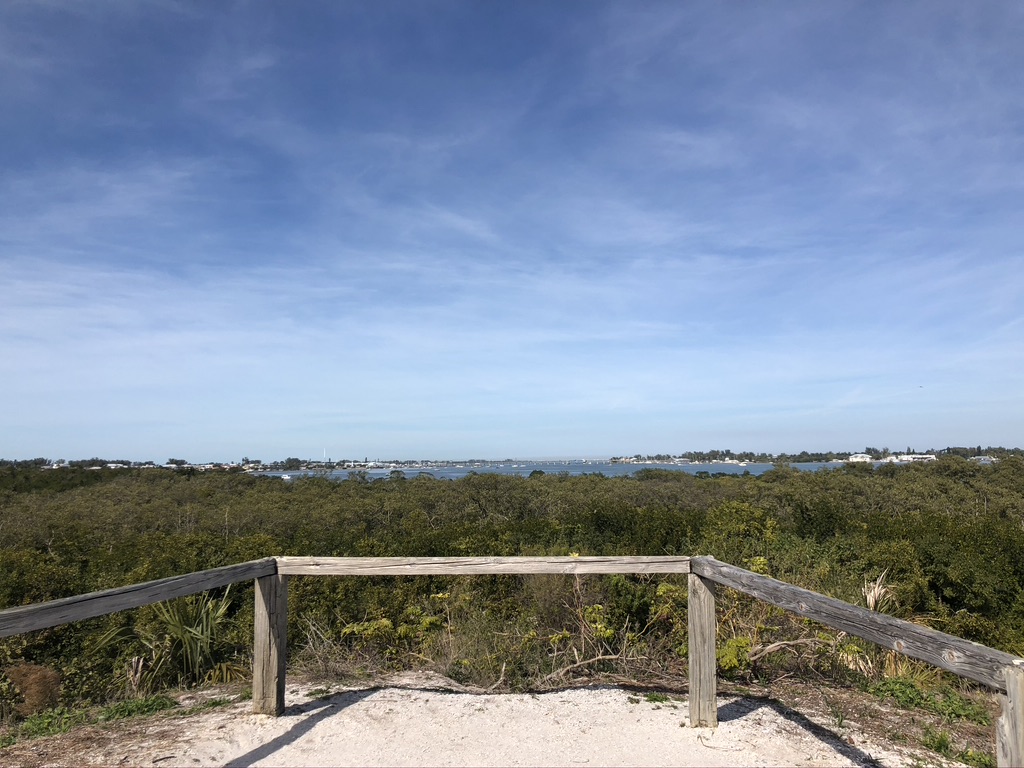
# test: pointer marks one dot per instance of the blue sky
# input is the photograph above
(531, 229)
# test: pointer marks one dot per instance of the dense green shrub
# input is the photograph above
(949, 536)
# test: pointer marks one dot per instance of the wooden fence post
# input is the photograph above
(1010, 726)
(270, 634)
(701, 641)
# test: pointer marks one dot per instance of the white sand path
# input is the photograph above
(424, 722)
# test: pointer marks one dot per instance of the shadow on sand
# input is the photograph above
(743, 706)
(312, 713)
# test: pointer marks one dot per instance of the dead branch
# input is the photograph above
(585, 662)
(760, 652)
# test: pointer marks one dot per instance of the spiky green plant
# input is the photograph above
(185, 645)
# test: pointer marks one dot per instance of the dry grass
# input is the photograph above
(38, 686)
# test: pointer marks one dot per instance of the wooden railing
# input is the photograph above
(998, 670)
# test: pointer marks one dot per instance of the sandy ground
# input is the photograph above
(426, 720)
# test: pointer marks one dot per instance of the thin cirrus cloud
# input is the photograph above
(621, 228)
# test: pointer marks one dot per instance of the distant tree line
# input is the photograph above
(699, 457)
(707, 457)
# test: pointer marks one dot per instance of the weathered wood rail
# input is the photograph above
(996, 669)
(954, 654)
(475, 566)
(28, 618)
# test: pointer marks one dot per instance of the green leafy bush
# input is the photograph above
(950, 537)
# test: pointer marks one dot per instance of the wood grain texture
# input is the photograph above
(954, 654)
(703, 631)
(1010, 726)
(436, 566)
(270, 638)
(14, 621)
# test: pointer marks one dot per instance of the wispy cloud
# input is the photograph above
(643, 226)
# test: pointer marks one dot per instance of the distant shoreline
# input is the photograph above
(525, 469)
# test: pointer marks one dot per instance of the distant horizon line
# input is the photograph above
(723, 452)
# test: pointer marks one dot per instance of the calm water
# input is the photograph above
(555, 467)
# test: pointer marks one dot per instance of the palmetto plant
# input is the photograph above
(877, 594)
(184, 645)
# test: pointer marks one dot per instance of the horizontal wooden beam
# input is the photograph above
(455, 566)
(29, 618)
(954, 654)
